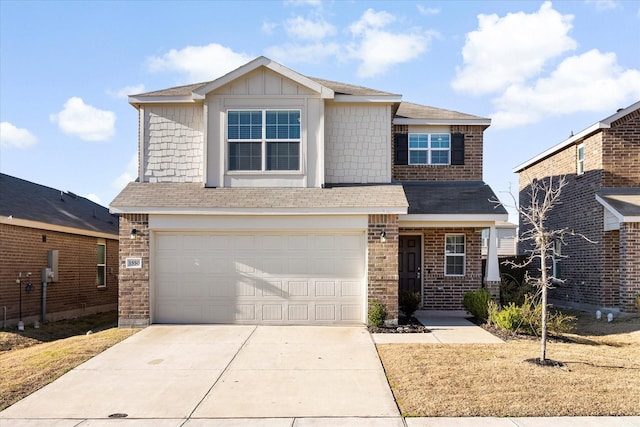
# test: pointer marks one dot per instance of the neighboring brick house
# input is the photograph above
(601, 201)
(43, 227)
(266, 196)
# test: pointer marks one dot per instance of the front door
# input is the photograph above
(409, 263)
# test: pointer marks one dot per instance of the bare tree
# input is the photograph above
(543, 243)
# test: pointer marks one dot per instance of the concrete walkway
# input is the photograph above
(447, 327)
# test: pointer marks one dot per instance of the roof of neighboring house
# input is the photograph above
(625, 201)
(602, 124)
(451, 198)
(183, 197)
(25, 200)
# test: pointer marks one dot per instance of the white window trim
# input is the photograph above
(462, 255)
(429, 150)
(579, 161)
(104, 266)
(263, 141)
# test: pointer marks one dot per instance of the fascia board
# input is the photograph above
(430, 221)
(260, 211)
(18, 222)
(387, 99)
(567, 142)
(161, 100)
(403, 121)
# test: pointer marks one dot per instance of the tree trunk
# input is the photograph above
(543, 291)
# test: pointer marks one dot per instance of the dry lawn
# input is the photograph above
(32, 359)
(600, 376)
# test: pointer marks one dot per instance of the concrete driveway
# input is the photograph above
(170, 374)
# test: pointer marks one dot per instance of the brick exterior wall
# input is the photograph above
(173, 144)
(621, 152)
(357, 146)
(470, 171)
(442, 292)
(75, 293)
(592, 272)
(629, 265)
(133, 298)
(383, 263)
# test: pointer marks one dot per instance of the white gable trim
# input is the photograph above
(133, 100)
(612, 215)
(262, 61)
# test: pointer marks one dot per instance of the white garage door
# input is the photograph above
(259, 277)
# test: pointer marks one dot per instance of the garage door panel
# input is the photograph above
(272, 278)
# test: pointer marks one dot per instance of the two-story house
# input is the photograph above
(601, 200)
(266, 196)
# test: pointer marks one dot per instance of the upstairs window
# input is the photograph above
(454, 255)
(429, 148)
(580, 166)
(263, 140)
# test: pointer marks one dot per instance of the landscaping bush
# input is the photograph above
(409, 302)
(477, 303)
(527, 318)
(513, 289)
(377, 314)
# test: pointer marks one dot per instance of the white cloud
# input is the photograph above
(306, 29)
(11, 136)
(589, 82)
(603, 4)
(512, 49)
(94, 198)
(84, 121)
(268, 27)
(314, 53)
(427, 11)
(199, 63)
(379, 49)
(126, 91)
(129, 175)
(314, 3)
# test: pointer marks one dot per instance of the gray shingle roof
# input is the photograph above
(347, 89)
(451, 198)
(625, 200)
(34, 202)
(410, 110)
(184, 196)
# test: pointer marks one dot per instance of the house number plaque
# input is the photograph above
(133, 262)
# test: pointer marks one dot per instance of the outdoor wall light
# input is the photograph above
(133, 234)
(383, 236)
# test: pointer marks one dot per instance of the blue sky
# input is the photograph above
(540, 70)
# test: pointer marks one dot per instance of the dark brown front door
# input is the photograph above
(409, 261)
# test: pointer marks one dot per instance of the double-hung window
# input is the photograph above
(454, 255)
(101, 275)
(429, 149)
(263, 140)
(580, 160)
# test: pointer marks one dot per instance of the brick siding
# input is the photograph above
(470, 171)
(133, 298)
(442, 292)
(383, 263)
(592, 271)
(75, 293)
(629, 265)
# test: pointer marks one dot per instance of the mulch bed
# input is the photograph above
(406, 325)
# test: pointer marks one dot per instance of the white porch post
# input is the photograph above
(492, 274)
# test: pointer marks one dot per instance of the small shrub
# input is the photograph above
(527, 318)
(477, 303)
(409, 302)
(514, 290)
(377, 314)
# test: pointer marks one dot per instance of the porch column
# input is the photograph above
(492, 274)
